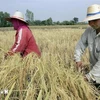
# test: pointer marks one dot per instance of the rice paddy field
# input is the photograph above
(51, 77)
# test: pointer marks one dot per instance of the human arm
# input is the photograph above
(94, 74)
(80, 48)
(19, 44)
(20, 41)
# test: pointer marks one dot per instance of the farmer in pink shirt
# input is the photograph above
(24, 40)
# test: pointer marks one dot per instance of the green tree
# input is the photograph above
(37, 22)
(44, 22)
(3, 22)
(65, 23)
(58, 22)
(49, 21)
(29, 16)
(72, 22)
(75, 19)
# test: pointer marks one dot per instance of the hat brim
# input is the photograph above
(9, 19)
(94, 17)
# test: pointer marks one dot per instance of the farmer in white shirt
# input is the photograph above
(91, 39)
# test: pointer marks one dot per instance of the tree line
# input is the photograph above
(29, 16)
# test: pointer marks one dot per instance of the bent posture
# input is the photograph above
(91, 39)
(24, 40)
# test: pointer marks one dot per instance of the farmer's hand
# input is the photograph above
(85, 78)
(79, 65)
(10, 53)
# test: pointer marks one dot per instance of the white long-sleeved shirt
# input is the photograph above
(92, 41)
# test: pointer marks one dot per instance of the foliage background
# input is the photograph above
(29, 17)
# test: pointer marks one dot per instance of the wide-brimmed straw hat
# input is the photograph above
(93, 12)
(17, 15)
